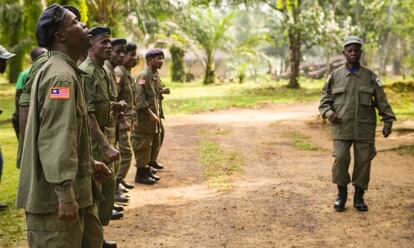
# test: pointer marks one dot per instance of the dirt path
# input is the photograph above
(283, 196)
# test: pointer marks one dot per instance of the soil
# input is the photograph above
(283, 197)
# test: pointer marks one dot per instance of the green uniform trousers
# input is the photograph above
(142, 147)
(48, 231)
(107, 189)
(364, 152)
(157, 143)
(126, 153)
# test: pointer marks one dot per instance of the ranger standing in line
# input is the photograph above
(4, 56)
(55, 185)
(156, 145)
(24, 99)
(125, 85)
(98, 99)
(116, 120)
(147, 129)
(349, 99)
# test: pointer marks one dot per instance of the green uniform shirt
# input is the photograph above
(37, 64)
(97, 94)
(354, 97)
(21, 79)
(56, 159)
(126, 88)
(146, 97)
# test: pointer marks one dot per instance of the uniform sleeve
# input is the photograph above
(381, 103)
(90, 90)
(325, 105)
(140, 99)
(57, 142)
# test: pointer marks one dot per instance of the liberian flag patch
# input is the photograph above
(59, 93)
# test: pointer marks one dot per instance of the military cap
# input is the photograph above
(74, 11)
(352, 39)
(130, 46)
(153, 52)
(4, 54)
(98, 31)
(50, 21)
(116, 41)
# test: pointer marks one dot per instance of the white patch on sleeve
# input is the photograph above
(378, 82)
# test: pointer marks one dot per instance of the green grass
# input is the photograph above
(218, 165)
(301, 141)
(12, 225)
(195, 97)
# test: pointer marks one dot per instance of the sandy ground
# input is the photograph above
(282, 198)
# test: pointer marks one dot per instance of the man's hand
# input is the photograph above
(334, 118)
(386, 131)
(118, 106)
(165, 91)
(68, 210)
(123, 123)
(111, 152)
(101, 172)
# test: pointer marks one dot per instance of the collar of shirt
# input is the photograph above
(353, 69)
(68, 59)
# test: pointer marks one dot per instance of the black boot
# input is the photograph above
(156, 165)
(142, 176)
(152, 175)
(109, 244)
(126, 185)
(340, 201)
(359, 202)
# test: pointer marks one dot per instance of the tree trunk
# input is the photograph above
(209, 77)
(398, 54)
(177, 65)
(295, 44)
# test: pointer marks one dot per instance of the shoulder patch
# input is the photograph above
(59, 93)
(378, 82)
(141, 82)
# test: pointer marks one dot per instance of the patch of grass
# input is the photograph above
(301, 141)
(405, 150)
(218, 164)
(221, 131)
(196, 97)
(12, 224)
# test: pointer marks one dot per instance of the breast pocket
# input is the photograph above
(339, 95)
(365, 96)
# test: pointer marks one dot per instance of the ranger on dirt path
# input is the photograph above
(349, 99)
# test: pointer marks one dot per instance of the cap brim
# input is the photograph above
(352, 42)
(7, 56)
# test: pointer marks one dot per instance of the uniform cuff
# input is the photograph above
(65, 192)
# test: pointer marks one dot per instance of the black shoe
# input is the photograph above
(126, 185)
(156, 165)
(152, 175)
(340, 201)
(359, 202)
(153, 170)
(116, 215)
(122, 188)
(118, 208)
(3, 206)
(109, 244)
(142, 176)
(119, 197)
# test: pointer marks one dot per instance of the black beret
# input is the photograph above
(98, 31)
(49, 22)
(153, 52)
(116, 41)
(74, 11)
(131, 46)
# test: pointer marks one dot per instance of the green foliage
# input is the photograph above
(301, 141)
